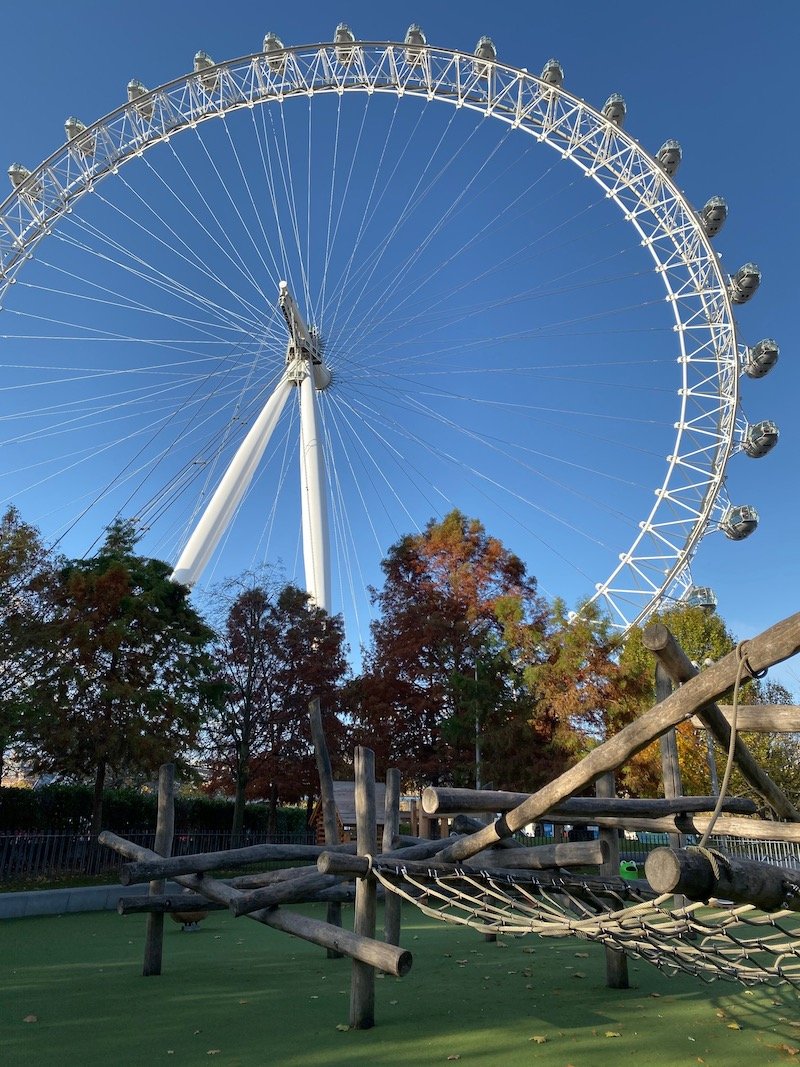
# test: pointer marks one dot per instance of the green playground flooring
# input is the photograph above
(240, 994)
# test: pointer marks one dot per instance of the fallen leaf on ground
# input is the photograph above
(613, 1033)
(581, 955)
(788, 1049)
(539, 1039)
(214, 1052)
(734, 1026)
(342, 1026)
(31, 1019)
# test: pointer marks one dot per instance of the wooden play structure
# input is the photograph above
(701, 910)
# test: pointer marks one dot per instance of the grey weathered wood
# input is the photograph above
(388, 958)
(291, 891)
(166, 904)
(743, 881)
(329, 819)
(165, 828)
(668, 742)
(586, 809)
(759, 718)
(144, 871)
(391, 828)
(616, 960)
(681, 670)
(537, 858)
(777, 643)
(362, 985)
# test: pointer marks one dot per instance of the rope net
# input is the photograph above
(737, 943)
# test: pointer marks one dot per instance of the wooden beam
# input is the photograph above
(165, 826)
(759, 718)
(329, 820)
(584, 809)
(681, 670)
(777, 643)
(616, 960)
(362, 984)
(744, 881)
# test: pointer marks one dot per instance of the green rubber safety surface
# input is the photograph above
(241, 995)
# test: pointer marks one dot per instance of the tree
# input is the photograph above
(459, 621)
(275, 651)
(25, 575)
(131, 677)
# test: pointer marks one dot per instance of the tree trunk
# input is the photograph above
(272, 818)
(97, 799)
(242, 775)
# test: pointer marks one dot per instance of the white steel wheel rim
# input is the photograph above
(655, 563)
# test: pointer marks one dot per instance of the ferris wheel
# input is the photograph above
(303, 254)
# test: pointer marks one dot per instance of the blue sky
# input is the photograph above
(719, 77)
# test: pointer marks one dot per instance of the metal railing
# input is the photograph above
(41, 856)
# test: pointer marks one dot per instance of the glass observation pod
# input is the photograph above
(760, 438)
(761, 358)
(485, 50)
(701, 596)
(739, 522)
(744, 283)
(553, 73)
(415, 42)
(614, 109)
(713, 215)
(136, 90)
(74, 128)
(202, 64)
(274, 51)
(18, 174)
(669, 156)
(343, 40)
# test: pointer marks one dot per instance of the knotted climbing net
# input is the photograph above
(738, 943)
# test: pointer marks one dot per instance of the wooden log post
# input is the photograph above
(616, 960)
(165, 828)
(391, 828)
(362, 986)
(329, 820)
(773, 646)
(693, 874)
(681, 670)
(668, 743)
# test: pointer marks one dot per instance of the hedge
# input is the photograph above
(62, 808)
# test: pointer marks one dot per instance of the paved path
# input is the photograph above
(65, 901)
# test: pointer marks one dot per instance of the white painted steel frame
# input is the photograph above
(696, 287)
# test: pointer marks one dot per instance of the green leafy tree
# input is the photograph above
(25, 576)
(131, 677)
(274, 652)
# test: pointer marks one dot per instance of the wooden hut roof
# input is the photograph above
(344, 794)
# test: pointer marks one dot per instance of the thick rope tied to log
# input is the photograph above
(738, 944)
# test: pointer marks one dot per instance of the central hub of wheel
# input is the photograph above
(304, 347)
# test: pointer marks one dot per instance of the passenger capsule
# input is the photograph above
(760, 438)
(739, 522)
(74, 128)
(553, 73)
(202, 63)
(701, 596)
(343, 38)
(415, 43)
(713, 215)
(614, 109)
(274, 51)
(761, 358)
(669, 156)
(485, 50)
(18, 174)
(135, 92)
(744, 283)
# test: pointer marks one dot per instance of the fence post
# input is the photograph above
(165, 827)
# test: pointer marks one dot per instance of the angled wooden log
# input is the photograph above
(166, 904)
(658, 639)
(388, 958)
(693, 874)
(777, 643)
(362, 984)
(165, 827)
(585, 809)
(289, 891)
(330, 821)
(391, 827)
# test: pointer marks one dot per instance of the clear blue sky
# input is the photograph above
(721, 77)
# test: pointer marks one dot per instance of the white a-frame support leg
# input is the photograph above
(228, 494)
(312, 490)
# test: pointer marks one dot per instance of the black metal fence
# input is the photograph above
(25, 856)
